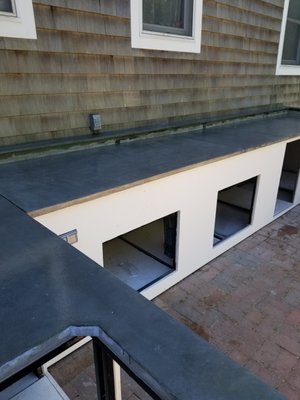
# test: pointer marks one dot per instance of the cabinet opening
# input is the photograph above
(289, 177)
(145, 255)
(234, 209)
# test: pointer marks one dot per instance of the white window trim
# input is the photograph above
(282, 69)
(163, 41)
(21, 24)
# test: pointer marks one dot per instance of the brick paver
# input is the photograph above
(246, 302)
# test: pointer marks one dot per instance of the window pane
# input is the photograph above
(171, 16)
(6, 6)
(291, 44)
(164, 12)
(294, 9)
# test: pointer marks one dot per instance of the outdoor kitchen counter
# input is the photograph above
(44, 184)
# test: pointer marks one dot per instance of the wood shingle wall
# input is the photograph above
(82, 62)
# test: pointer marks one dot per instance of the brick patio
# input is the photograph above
(246, 302)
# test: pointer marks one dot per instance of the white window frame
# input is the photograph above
(283, 69)
(142, 39)
(21, 23)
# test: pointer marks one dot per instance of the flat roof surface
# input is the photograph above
(40, 185)
(50, 292)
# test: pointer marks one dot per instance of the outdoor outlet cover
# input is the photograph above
(95, 122)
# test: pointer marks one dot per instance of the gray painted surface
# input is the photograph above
(50, 292)
(53, 181)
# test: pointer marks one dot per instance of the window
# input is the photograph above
(17, 19)
(170, 16)
(288, 62)
(173, 25)
(7, 7)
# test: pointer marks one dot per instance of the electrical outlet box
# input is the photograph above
(70, 237)
(95, 122)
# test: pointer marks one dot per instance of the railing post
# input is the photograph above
(104, 372)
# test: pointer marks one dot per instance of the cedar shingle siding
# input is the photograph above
(82, 62)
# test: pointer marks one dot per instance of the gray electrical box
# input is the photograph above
(70, 237)
(95, 122)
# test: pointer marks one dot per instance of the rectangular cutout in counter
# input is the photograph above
(234, 209)
(145, 255)
(289, 177)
